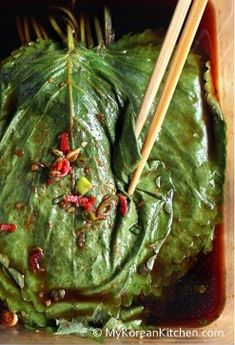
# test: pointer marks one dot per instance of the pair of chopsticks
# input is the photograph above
(190, 28)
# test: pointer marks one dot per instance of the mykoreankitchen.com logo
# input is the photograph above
(159, 333)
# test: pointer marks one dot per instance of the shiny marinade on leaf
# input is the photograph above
(91, 267)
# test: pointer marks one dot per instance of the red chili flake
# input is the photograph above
(87, 203)
(19, 153)
(64, 142)
(73, 199)
(60, 168)
(19, 206)
(81, 239)
(63, 204)
(8, 227)
(50, 181)
(35, 257)
(35, 167)
(123, 205)
(100, 116)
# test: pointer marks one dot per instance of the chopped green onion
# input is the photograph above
(83, 185)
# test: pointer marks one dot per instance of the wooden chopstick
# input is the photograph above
(167, 48)
(174, 73)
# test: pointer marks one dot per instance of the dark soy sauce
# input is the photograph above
(197, 298)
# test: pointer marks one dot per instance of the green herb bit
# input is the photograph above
(83, 185)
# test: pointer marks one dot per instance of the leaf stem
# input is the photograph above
(57, 29)
(99, 33)
(26, 29)
(71, 47)
(20, 30)
(36, 28)
(83, 29)
(90, 40)
(70, 40)
(108, 26)
(43, 32)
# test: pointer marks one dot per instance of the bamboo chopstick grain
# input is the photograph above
(162, 61)
(175, 70)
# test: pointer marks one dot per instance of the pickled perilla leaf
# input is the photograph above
(46, 89)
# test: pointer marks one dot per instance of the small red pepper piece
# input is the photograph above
(19, 153)
(8, 227)
(35, 257)
(64, 142)
(87, 203)
(73, 199)
(123, 205)
(60, 168)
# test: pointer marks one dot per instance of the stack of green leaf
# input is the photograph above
(95, 94)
